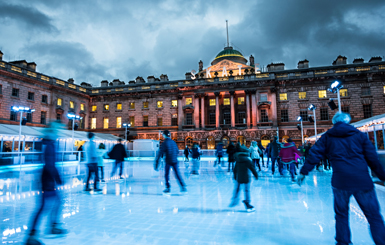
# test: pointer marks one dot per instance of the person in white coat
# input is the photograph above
(92, 162)
(102, 153)
(255, 154)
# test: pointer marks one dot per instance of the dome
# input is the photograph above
(229, 54)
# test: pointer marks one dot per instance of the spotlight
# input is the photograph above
(299, 118)
(299, 126)
(312, 107)
(332, 105)
(311, 119)
(24, 121)
(76, 126)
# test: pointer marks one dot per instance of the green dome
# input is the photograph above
(230, 54)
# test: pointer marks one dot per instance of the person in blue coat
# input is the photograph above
(350, 153)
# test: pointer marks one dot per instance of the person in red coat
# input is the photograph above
(287, 155)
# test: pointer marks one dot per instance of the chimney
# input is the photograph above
(303, 64)
(104, 83)
(122, 83)
(116, 82)
(19, 63)
(140, 80)
(200, 65)
(31, 66)
(1, 55)
(131, 82)
(251, 60)
(375, 59)
(275, 67)
(163, 78)
(71, 80)
(358, 61)
(150, 79)
(341, 60)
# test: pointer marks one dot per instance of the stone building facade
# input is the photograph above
(231, 100)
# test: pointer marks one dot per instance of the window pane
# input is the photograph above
(241, 117)
(226, 118)
(43, 117)
(174, 120)
(264, 116)
(365, 91)
(15, 92)
(82, 107)
(72, 105)
(145, 121)
(188, 101)
(302, 95)
(212, 118)
(283, 96)
(118, 122)
(345, 109)
(160, 121)
(93, 123)
(226, 101)
(94, 108)
(189, 120)
(44, 99)
(31, 96)
(132, 105)
(119, 107)
(322, 94)
(145, 104)
(106, 107)
(263, 97)
(59, 102)
(324, 113)
(212, 102)
(303, 114)
(174, 103)
(344, 92)
(132, 121)
(105, 122)
(284, 115)
(241, 100)
(367, 111)
(159, 104)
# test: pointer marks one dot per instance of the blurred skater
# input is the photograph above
(195, 159)
(50, 179)
(92, 162)
(230, 156)
(186, 152)
(261, 153)
(274, 149)
(254, 154)
(102, 153)
(118, 153)
(288, 156)
(219, 153)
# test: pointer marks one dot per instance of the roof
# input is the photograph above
(229, 52)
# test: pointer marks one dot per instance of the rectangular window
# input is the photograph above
(13, 116)
(284, 115)
(241, 117)
(367, 111)
(263, 97)
(174, 103)
(1, 89)
(283, 96)
(145, 105)
(241, 100)
(365, 91)
(72, 105)
(145, 121)
(160, 121)
(322, 94)
(43, 117)
(15, 92)
(58, 117)
(344, 92)
(345, 109)
(105, 122)
(226, 118)
(31, 96)
(132, 121)
(119, 122)
(106, 107)
(82, 107)
(189, 119)
(174, 120)
(212, 102)
(188, 101)
(59, 102)
(304, 114)
(264, 116)
(212, 119)
(119, 106)
(226, 101)
(44, 99)
(132, 105)
(302, 95)
(159, 104)
(94, 108)
(29, 117)
(384, 90)
(93, 123)
(324, 113)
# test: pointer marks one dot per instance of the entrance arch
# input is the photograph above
(225, 141)
(265, 140)
(241, 140)
(189, 141)
(210, 143)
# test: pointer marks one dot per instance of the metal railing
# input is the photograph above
(20, 158)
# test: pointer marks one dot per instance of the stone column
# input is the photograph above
(216, 109)
(180, 112)
(254, 108)
(196, 110)
(203, 111)
(247, 101)
(273, 108)
(232, 109)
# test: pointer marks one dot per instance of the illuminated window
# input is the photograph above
(94, 108)
(160, 121)
(93, 123)
(384, 89)
(105, 122)
(132, 121)
(174, 103)
(226, 101)
(159, 104)
(302, 95)
(119, 106)
(72, 105)
(344, 92)
(174, 120)
(188, 101)
(212, 102)
(322, 94)
(241, 100)
(106, 107)
(132, 105)
(59, 102)
(145, 121)
(283, 96)
(145, 105)
(118, 122)
(82, 107)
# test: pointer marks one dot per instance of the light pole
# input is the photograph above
(299, 119)
(126, 125)
(335, 88)
(313, 108)
(73, 117)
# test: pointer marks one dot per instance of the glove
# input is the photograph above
(300, 179)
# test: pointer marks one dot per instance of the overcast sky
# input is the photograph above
(91, 40)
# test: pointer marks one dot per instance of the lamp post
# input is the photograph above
(313, 108)
(335, 88)
(73, 117)
(126, 125)
(299, 119)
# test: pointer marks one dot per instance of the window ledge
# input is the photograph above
(31, 101)
(14, 97)
(131, 109)
(105, 111)
(283, 101)
(145, 108)
(93, 111)
(324, 98)
(299, 100)
(118, 110)
(159, 108)
(366, 96)
(173, 107)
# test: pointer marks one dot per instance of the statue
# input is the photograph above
(251, 60)
(200, 66)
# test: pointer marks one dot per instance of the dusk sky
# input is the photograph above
(91, 40)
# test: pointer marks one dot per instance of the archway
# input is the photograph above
(225, 141)
(210, 143)
(189, 141)
(265, 140)
(284, 138)
(241, 140)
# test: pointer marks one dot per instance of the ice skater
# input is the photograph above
(119, 154)
(255, 154)
(170, 150)
(195, 159)
(241, 175)
(102, 153)
(230, 156)
(288, 156)
(92, 162)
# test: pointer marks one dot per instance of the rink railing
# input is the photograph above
(20, 158)
(204, 153)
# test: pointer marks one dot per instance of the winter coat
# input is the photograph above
(287, 153)
(350, 153)
(50, 176)
(90, 150)
(267, 151)
(102, 153)
(274, 149)
(242, 166)
(254, 152)
(187, 151)
(195, 153)
(170, 150)
(230, 153)
(118, 152)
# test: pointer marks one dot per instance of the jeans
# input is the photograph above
(273, 160)
(238, 188)
(176, 172)
(92, 169)
(101, 172)
(117, 162)
(256, 163)
(292, 170)
(263, 160)
(195, 165)
(367, 200)
(232, 166)
(54, 198)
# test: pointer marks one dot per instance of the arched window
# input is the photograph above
(210, 143)
(265, 140)
(189, 141)
(241, 140)
(284, 138)
(225, 141)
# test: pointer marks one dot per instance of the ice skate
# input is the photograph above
(249, 208)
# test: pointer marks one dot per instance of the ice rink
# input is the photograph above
(134, 210)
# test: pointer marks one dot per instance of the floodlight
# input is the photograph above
(332, 105)
(311, 119)
(312, 107)
(299, 118)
